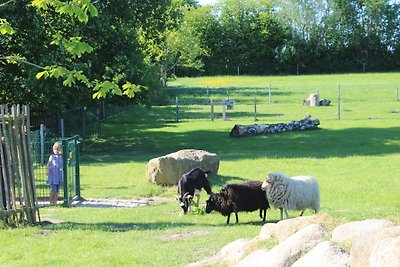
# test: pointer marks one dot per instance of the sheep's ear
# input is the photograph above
(270, 178)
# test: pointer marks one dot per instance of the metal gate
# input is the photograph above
(71, 178)
(41, 150)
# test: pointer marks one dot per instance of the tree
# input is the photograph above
(242, 37)
(339, 35)
(176, 45)
(61, 52)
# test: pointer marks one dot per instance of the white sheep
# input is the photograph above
(291, 193)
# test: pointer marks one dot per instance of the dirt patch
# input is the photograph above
(47, 233)
(182, 235)
(117, 203)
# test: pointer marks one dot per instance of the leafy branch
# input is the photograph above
(80, 10)
(5, 27)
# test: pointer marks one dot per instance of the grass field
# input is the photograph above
(355, 159)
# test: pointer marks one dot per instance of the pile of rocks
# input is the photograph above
(306, 241)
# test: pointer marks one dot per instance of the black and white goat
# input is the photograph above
(190, 184)
(247, 196)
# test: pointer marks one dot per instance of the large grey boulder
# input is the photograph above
(326, 254)
(386, 253)
(365, 244)
(285, 228)
(288, 251)
(228, 255)
(166, 170)
(349, 231)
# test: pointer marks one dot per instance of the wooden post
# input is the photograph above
(12, 170)
(18, 193)
(224, 112)
(104, 111)
(255, 108)
(4, 186)
(338, 101)
(20, 152)
(27, 165)
(269, 93)
(83, 116)
(177, 109)
(35, 207)
(212, 110)
(98, 124)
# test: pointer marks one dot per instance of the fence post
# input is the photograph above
(42, 144)
(98, 122)
(177, 109)
(338, 101)
(65, 170)
(62, 128)
(269, 93)
(83, 111)
(103, 111)
(212, 110)
(224, 112)
(77, 171)
(255, 108)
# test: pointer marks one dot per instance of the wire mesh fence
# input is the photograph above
(83, 121)
(265, 103)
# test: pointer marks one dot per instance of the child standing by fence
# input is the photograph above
(54, 172)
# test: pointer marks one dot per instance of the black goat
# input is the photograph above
(190, 185)
(247, 196)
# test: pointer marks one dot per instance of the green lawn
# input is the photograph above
(355, 159)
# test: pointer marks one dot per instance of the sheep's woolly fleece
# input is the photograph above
(295, 193)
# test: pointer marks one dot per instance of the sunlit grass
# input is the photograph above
(355, 160)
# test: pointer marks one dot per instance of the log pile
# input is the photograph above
(258, 129)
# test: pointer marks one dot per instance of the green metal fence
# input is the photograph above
(71, 176)
(41, 151)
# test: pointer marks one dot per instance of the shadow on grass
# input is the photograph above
(139, 226)
(143, 226)
(142, 145)
(223, 93)
(115, 227)
(220, 180)
(144, 134)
